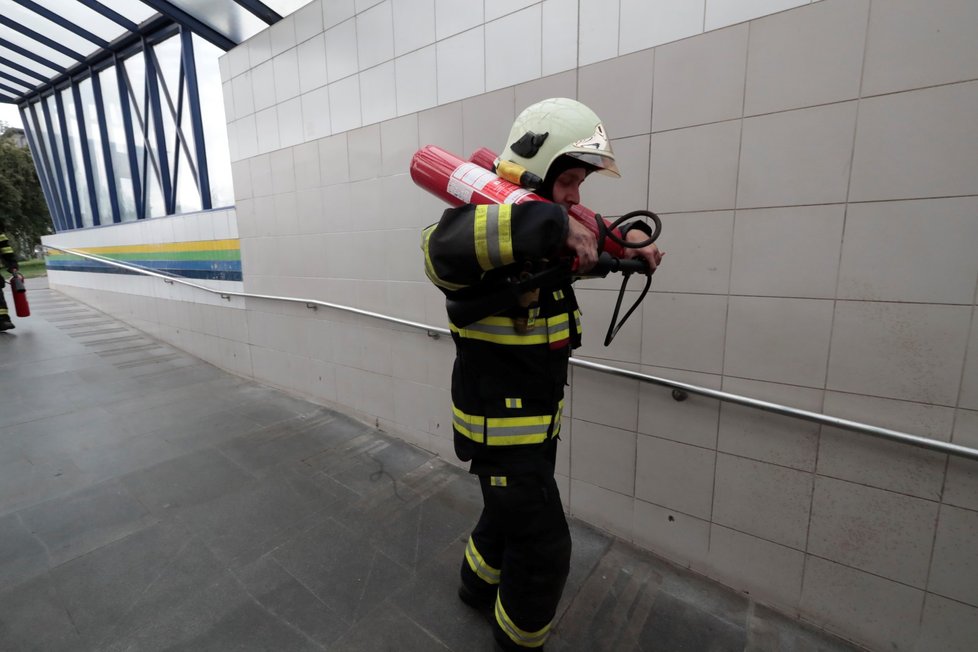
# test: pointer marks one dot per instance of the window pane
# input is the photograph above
(50, 29)
(116, 129)
(44, 139)
(86, 18)
(187, 195)
(146, 150)
(77, 157)
(90, 117)
(30, 64)
(215, 122)
(57, 143)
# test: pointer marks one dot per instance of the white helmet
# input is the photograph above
(557, 127)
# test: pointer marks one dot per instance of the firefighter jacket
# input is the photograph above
(511, 367)
(6, 251)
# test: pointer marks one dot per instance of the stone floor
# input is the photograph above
(151, 501)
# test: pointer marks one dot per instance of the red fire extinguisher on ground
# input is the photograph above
(17, 288)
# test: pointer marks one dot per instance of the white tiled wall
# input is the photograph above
(815, 170)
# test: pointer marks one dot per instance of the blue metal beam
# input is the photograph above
(13, 91)
(196, 122)
(7, 99)
(41, 38)
(86, 155)
(66, 150)
(30, 5)
(115, 17)
(261, 10)
(23, 70)
(137, 192)
(58, 173)
(16, 80)
(106, 148)
(176, 112)
(192, 23)
(152, 85)
(38, 157)
(13, 47)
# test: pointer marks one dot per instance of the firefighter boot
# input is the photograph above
(5, 323)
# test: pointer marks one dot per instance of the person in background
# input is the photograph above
(10, 262)
(511, 368)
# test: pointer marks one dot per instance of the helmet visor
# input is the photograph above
(605, 163)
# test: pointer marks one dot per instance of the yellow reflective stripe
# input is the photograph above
(498, 332)
(6, 250)
(497, 480)
(469, 425)
(514, 403)
(558, 295)
(506, 234)
(3, 311)
(479, 565)
(558, 328)
(519, 636)
(429, 267)
(577, 321)
(482, 237)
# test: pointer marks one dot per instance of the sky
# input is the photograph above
(11, 115)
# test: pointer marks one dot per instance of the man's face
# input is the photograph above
(567, 187)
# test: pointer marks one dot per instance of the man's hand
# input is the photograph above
(582, 242)
(651, 254)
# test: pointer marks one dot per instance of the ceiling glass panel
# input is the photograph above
(22, 79)
(31, 45)
(135, 11)
(77, 13)
(226, 16)
(47, 28)
(28, 63)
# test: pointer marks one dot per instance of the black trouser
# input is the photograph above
(522, 547)
(4, 314)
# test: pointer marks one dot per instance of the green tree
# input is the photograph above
(23, 209)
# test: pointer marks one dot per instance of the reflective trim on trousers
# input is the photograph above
(479, 566)
(521, 637)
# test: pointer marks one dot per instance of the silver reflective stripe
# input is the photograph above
(526, 639)
(492, 235)
(518, 431)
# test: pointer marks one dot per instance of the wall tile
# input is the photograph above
(263, 85)
(512, 65)
(559, 85)
(364, 152)
(881, 237)
(771, 502)
(692, 421)
(607, 401)
(337, 11)
(602, 86)
(377, 93)
(605, 509)
(961, 485)
(947, 626)
(678, 537)
(768, 437)
(337, 201)
(969, 383)
(954, 571)
(871, 610)
(290, 124)
(603, 456)
(261, 174)
(227, 92)
(285, 67)
(720, 13)
(244, 101)
(675, 476)
(454, 16)
(267, 129)
(260, 47)
(684, 331)
(877, 531)
(308, 21)
(646, 24)
(341, 51)
(499, 8)
(700, 80)
(796, 157)
(778, 340)
(597, 34)
(311, 57)
(704, 242)
(559, 36)
(238, 61)
(905, 351)
(315, 114)
(442, 126)
(283, 171)
(486, 121)
(805, 57)
(461, 65)
(695, 169)
(787, 251)
(375, 35)
(879, 463)
(287, 223)
(334, 160)
(414, 24)
(241, 178)
(398, 143)
(282, 35)
(344, 104)
(768, 572)
(911, 45)
(936, 124)
(416, 81)
(599, 306)
(610, 196)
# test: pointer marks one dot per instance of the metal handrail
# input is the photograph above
(435, 331)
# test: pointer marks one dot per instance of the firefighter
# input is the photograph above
(511, 368)
(10, 262)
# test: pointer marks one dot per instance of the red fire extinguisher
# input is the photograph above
(22, 308)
